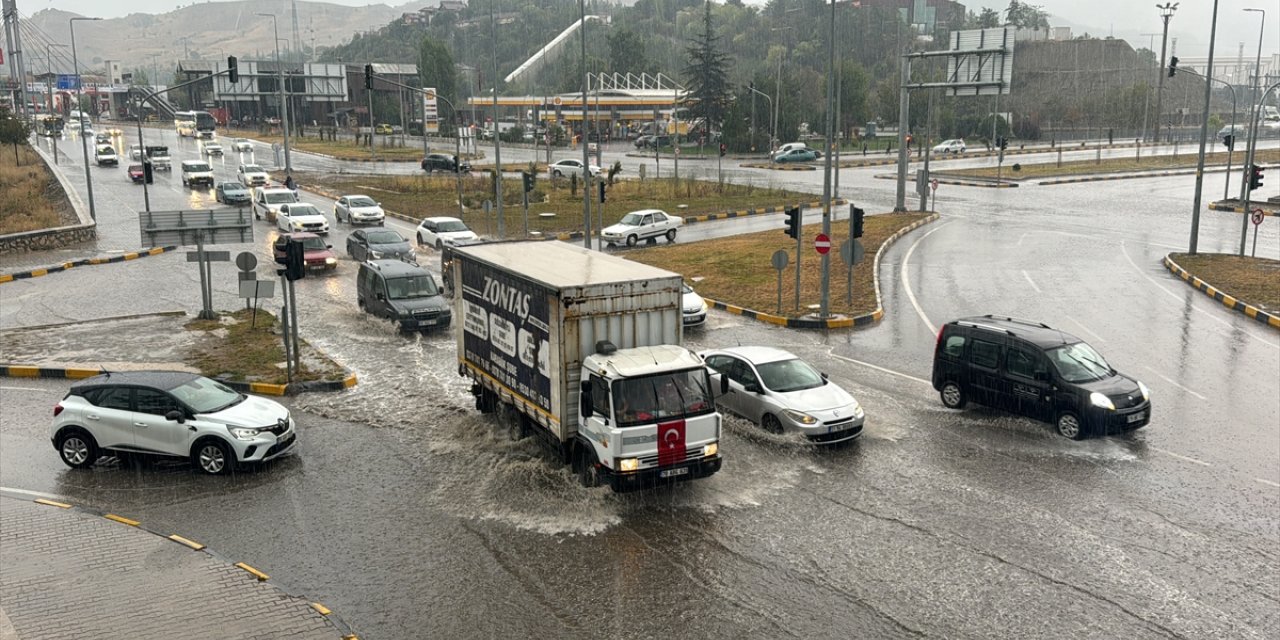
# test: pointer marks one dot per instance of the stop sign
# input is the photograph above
(822, 243)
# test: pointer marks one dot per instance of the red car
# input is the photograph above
(135, 173)
(317, 255)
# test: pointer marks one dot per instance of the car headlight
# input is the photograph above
(704, 306)
(406, 313)
(1146, 393)
(297, 225)
(710, 450)
(1100, 400)
(857, 411)
(377, 255)
(628, 464)
(802, 418)
(244, 433)
(331, 261)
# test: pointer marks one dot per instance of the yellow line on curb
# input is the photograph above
(51, 503)
(78, 374)
(122, 519)
(349, 381)
(131, 256)
(186, 542)
(262, 577)
(267, 389)
(6, 278)
(323, 610)
(24, 372)
(36, 273)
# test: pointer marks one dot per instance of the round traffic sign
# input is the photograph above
(779, 259)
(1258, 216)
(246, 261)
(822, 244)
(934, 184)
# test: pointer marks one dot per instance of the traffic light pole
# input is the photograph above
(1247, 186)
(1204, 138)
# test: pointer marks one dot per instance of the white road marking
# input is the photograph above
(1086, 329)
(1268, 482)
(1182, 457)
(906, 280)
(1193, 306)
(28, 389)
(48, 496)
(1176, 384)
(1030, 281)
(882, 369)
(1021, 238)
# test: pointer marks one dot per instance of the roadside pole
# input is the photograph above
(293, 326)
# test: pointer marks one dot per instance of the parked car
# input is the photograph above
(1034, 370)
(789, 147)
(137, 173)
(441, 231)
(955, 145)
(358, 209)
(317, 255)
(384, 129)
(268, 200)
(300, 216)
(645, 224)
(231, 193)
(692, 306)
(403, 293)
(649, 141)
(444, 162)
(784, 394)
(252, 175)
(169, 414)
(106, 154)
(242, 144)
(568, 166)
(196, 172)
(796, 155)
(212, 149)
(377, 244)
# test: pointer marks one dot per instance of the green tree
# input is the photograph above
(707, 76)
(436, 70)
(626, 52)
(13, 131)
(1027, 16)
(988, 19)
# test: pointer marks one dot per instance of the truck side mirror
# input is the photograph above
(584, 399)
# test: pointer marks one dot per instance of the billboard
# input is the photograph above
(430, 110)
(505, 330)
(980, 62)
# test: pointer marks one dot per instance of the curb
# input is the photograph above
(344, 630)
(260, 388)
(36, 273)
(779, 167)
(1231, 208)
(836, 323)
(1227, 301)
(741, 213)
(992, 184)
(1153, 174)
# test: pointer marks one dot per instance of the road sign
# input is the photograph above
(933, 184)
(211, 256)
(1258, 216)
(822, 244)
(246, 261)
(852, 252)
(779, 259)
(258, 289)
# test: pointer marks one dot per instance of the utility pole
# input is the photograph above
(1204, 137)
(84, 144)
(824, 310)
(17, 70)
(1256, 120)
(1166, 12)
(904, 114)
(586, 157)
(497, 123)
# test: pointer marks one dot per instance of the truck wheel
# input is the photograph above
(588, 474)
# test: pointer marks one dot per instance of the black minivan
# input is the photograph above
(1034, 370)
(403, 293)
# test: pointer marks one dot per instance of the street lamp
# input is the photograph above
(1204, 135)
(48, 59)
(284, 109)
(586, 157)
(1166, 12)
(754, 90)
(84, 146)
(1256, 113)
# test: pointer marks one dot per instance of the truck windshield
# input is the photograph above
(667, 396)
(411, 287)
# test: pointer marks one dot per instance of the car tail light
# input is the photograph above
(57, 408)
(938, 342)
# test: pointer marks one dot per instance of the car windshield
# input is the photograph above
(406, 287)
(314, 244)
(280, 197)
(304, 210)
(362, 202)
(1079, 363)
(198, 166)
(668, 396)
(632, 219)
(231, 186)
(207, 396)
(451, 225)
(685, 288)
(385, 237)
(239, 140)
(789, 375)
(253, 168)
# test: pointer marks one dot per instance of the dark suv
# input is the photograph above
(443, 162)
(1037, 371)
(405, 294)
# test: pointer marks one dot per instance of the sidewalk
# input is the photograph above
(72, 573)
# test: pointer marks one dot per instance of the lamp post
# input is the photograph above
(84, 145)
(586, 157)
(754, 90)
(1166, 12)
(497, 125)
(284, 109)
(1204, 136)
(1256, 116)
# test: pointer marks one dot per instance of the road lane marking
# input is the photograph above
(906, 280)
(49, 496)
(1176, 384)
(27, 389)
(1030, 281)
(1268, 482)
(879, 368)
(1182, 457)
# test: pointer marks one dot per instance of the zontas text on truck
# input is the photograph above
(582, 349)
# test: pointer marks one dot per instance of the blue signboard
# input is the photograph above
(67, 82)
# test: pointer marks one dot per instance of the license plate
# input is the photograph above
(1137, 417)
(671, 473)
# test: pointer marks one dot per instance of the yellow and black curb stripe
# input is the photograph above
(779, 167)
(742, 213)
(1128, 176)
(260, 388)
(1270, 319)
(344, 630)
(990, 184)
(830, 323)
(1231, 208)
(132, 255)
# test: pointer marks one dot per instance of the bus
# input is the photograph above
(194, 124)
(49, 124)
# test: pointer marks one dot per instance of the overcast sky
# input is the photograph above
(1126, 19)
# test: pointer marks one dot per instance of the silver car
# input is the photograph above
(784, 394)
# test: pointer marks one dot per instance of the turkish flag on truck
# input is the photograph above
(671, 449)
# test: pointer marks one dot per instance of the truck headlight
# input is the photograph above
(628, 464)
(710, 449)
(1146, 393)
(802, 418)
(244, 433)
(1101, 400)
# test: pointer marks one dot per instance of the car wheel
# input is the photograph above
(77, 448)
(771, 424)
(953, 395)
(213, 456)
(671, 235)
(1069, 426)
(557, 173)
(588, 473)
(631, 241)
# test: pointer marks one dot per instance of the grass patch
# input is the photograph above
(1254, 281)
(1116, 165)
(343, 149)
(30, 197)
(235, 347)
(437, 195)
(737, 270)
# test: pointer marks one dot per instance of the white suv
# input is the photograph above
(169, 413)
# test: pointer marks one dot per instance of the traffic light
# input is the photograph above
(602, 191)
(1228, 141)
(1002, 142)
(1173, 65)
(368, 76)
(857, 222)
(295, 266)
(233, 69)
(147, 172)
(1255, 177)
(793, 222)
(529, 180)
(723, 149)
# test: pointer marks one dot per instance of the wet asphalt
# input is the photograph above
(406, 512)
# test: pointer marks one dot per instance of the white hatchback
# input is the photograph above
(955, 145)
(169, 413)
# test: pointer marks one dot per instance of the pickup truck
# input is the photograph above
(159, 157)
(582, 350)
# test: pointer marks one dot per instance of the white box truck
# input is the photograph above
(582, 349)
